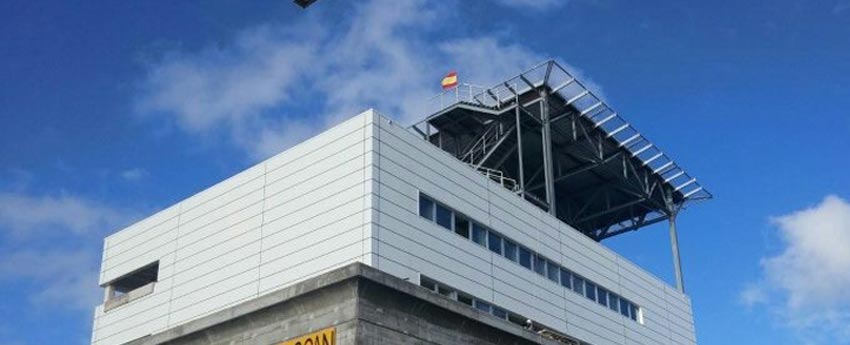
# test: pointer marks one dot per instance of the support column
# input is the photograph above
(520, 165)
(674, 244)
(548, 172)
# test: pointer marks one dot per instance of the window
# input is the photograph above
(426, 208)
(428, 284)
(602, 296)
(540, 265)
(465, 299)
(469, 229)
(479, 235)
(565, 279)
(500, 313)
(137, 279)
(578, 284)
(131, 286)
(525, 257)
(462, 226)
(494, 242)
(510, 250)
(445, 291)
(552, 273)
(590, 290)
(613, 302)
(624, 307)
(517, 319)
(633, 311)
(444, 216)
(482, 306)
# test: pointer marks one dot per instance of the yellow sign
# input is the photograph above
(326, 336)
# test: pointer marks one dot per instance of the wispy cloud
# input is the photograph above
(841, 7)
(66, 278)
(808, 283)
(272, 86)
(26, 216)
(134, 174)
(533, 4)
(51, 243)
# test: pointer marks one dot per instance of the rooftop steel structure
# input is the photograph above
(547, 137)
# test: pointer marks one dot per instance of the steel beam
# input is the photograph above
(674, 246)
(548, 171)
(520, 153)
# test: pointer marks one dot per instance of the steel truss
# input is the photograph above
(588, 166)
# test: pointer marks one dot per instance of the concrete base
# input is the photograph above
(364, 305)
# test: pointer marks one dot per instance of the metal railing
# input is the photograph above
(498, 176)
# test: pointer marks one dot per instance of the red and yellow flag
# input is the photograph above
(450, 80)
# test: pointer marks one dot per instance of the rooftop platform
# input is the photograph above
(547, 137)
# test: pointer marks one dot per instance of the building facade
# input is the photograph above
(370, 191)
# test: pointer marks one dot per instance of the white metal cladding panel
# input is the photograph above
(432, 257)
(460, 186)
(120, 239)
(402, 174)
(147, 244)
(511, 284)
(305, 250)
(312, 206)
(149, 313)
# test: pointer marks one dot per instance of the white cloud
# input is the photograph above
(55, 241)
(23, 215)
(66, 278)
(134, 174)
(533, 4)
(272, 87)
(808, 283)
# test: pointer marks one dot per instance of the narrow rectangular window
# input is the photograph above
(462, 226)
(465, 299)
(482, 306)
(444, 217)
(624, 307)
(510, 250)
(428, 284)
(602, 296)
(525, 257)
(578, 284)
(500, 313)
(426, 208)
(590, 291)
(494, 242)
(565, 279)
(633, 311)
(479, 234)
(540, 265)
(552, 272)
(613, 302)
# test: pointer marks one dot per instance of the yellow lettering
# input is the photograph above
(326, 336)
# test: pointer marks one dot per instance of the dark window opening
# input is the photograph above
(590, 291)
(510, 250)
(426, 208)
(494, 243)
(444, 216)
(137, 279)
(462, 226)
(552, 272)
(565, 279)
(525, 257)
(540, 265)
(479, 235)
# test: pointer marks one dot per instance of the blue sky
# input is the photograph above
(112, 110)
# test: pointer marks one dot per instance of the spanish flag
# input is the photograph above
(449, 81)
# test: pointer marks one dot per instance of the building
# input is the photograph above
(463, 205)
